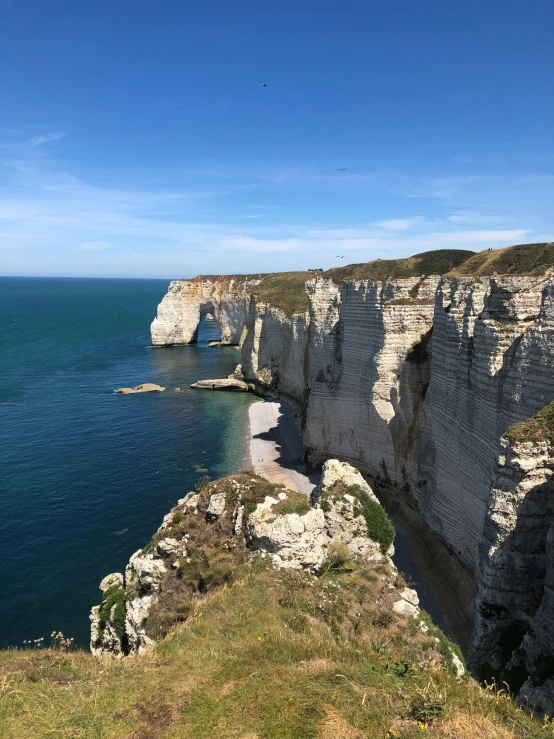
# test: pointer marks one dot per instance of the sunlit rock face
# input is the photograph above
(274, 348)
(187, 301)
(492, 365)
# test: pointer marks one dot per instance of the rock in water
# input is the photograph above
(146, 387)
(226, 384)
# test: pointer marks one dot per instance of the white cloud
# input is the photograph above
(95, 245)
(37, 140)
(398, 224)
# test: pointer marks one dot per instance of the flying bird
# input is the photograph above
(339, 257)
(263, 84)
(341, 169)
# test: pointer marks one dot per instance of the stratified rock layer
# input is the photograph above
(187, 301)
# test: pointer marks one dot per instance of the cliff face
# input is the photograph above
(414, 381)
(514, 628)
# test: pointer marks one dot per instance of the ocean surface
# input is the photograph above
(86, 475)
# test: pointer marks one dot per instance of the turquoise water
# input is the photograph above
(86, 475)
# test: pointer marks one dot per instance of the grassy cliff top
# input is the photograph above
(523, 259)
(274, 655)
(437, 262)
(537, 428)
(285, 290)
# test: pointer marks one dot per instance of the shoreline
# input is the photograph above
(275, 445)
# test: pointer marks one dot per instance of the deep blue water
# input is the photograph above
(87, 475)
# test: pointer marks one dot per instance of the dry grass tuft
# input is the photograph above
(466, 726)
(317, 666)
(335, 726)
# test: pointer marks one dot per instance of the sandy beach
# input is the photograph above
(276, 445)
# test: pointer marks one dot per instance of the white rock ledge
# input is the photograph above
(146, 387)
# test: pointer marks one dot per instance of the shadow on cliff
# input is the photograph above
(515, 578)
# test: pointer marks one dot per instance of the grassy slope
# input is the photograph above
(253, 663)
(437, 262)
(535, 429)
(285, 290)
(524, 259)
(270, 655)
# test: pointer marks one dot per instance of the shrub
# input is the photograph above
(293, 503)
(379, 527)
(114, 596)
(339, 559)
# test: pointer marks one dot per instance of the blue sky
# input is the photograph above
(137, 140)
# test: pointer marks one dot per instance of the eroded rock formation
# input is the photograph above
(514, 628)
(187, 301)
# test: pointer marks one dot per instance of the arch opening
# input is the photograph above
(208, 328)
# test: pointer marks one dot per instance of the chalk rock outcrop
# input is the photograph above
(295, 540)
(186, 301)
(146, 387)
(209, 533)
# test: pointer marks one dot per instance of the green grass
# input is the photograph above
(537, 428)
(523, 259)
(114, 596)
(293, 503)
(437, 262)
(261, 653)
(275, 655)
(284, 290)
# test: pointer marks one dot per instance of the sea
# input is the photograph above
(86, 475)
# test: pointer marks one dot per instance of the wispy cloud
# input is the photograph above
(49, 213)
(95, 245)
(38, 140)
(399, 224)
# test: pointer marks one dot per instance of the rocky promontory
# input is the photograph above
(220, 527)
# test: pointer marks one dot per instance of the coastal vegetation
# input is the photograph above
(285, 290)
(379, 527)
(535, 429)
(272, 655)
(523, 259)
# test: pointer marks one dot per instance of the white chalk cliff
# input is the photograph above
(413, 381)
